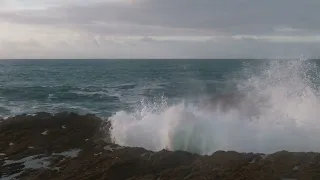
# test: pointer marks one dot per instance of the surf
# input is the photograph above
(276, 107)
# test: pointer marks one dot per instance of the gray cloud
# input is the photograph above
(75, 30)
(202, 16)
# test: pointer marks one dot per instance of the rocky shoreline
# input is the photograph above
(68, 146)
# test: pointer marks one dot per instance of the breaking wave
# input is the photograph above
(274, 107)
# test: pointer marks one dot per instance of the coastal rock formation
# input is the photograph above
(69, 146)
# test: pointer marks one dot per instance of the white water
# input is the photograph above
(279, 110)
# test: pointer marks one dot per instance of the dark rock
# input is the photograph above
(71, 146)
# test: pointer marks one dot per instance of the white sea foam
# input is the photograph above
(86, 93)
(37, 162)
(71, 153)
(278, 110)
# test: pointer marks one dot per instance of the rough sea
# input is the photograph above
(104, 87)
(195, 105)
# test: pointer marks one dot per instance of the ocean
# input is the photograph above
(194, 105)
(104, 87)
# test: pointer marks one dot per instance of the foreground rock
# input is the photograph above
(69, 146)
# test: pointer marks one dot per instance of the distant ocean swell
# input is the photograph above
(274, 107)
(18, 100)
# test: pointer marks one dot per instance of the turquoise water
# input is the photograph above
(103, 87)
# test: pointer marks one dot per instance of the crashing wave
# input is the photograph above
(274, 107)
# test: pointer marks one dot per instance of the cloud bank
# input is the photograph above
(159, 29)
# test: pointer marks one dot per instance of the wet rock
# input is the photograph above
(78, 147)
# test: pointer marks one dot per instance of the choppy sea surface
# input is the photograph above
(104, 86)
(194, 105)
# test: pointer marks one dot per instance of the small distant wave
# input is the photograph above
(50, 96)
(124, 86)
(18, 108)
(88, 93)
(76, 96)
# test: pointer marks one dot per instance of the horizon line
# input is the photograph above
(156, 58)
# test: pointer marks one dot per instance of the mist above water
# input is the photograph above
(275, 107)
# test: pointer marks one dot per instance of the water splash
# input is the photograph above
(278, 109)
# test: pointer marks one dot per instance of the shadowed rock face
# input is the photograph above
(69, 146)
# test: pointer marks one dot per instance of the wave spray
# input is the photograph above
(277, 109)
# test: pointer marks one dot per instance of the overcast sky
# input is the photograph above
(159, 28)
